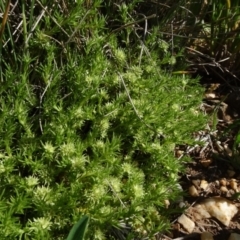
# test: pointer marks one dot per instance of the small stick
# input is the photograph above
(36, 23)
(5, 17)
(132, 23)
(129, 97)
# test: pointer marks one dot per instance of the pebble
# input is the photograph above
(199, 212)
(233, 184)
(167, 203)
(206, 162)
(182, 205)
(230, 193)
(187, 223)
(217, 183)
(196, 182)
(179, 153)
(227, 149)
(223, 189)
(204, 185)
(223, 182)
(193, 191)
(220, 208)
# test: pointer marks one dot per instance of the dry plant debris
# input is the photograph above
(212, 180)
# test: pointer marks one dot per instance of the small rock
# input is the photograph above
(167, 203)
(206, 236)
(182, 205)
(186, 222)
(199, 212)
(230, 193)
(220, 208)
(217, 183)
(223, 189)
(227, 150)
(179, 153)
(193, 191)
(210, 95)
(206, 162)
(196, 182)
(223, 182)
(219, 146)
(233, 184)
(204, 185)
(234, 236)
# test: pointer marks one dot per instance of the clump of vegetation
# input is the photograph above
(210, 32)
(89, 123)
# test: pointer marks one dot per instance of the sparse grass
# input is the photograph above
(90, 117)
(207, 31)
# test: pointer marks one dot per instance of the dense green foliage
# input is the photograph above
(89, 123)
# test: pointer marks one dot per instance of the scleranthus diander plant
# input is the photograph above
(89, 129)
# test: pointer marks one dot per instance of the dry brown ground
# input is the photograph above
(214, 162)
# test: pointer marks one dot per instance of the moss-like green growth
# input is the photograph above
(88, 126)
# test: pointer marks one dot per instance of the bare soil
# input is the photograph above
(213, 161)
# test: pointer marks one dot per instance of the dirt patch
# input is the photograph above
(215, 169)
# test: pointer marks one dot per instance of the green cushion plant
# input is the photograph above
(89, 125)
